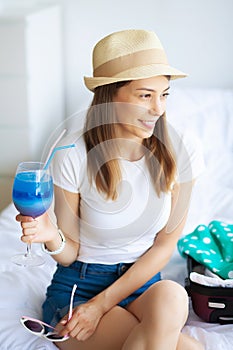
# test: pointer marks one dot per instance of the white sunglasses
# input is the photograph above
(37, 327)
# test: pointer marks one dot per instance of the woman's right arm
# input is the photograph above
(67, 212)
(43, 229)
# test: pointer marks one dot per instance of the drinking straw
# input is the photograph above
(54, 149)
(54, 144)
(53, 153)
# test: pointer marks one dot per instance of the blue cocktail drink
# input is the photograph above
(32, 196)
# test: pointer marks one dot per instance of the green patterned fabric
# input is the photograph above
(212, 246)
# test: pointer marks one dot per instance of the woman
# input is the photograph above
(121, 200)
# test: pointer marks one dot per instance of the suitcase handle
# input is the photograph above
(225, 320)
(224, 315)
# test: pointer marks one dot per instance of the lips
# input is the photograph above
(149, 124)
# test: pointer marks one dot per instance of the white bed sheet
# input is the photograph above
(209, 113)
(23, 289)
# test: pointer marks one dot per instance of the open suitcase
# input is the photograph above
(212, 304)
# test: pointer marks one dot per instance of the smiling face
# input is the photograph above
(139, 104)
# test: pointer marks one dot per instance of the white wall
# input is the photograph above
(197, 36)
(45, 84)
(31, 89)
(31, 85)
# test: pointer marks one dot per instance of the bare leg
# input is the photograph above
(162, 311)
(111, 332)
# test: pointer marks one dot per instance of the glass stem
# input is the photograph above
(29, 250)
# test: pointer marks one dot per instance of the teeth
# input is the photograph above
(148, 122)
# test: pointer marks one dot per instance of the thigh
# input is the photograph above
(111, 333)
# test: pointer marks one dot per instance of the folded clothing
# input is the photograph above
(210, 281)
(211, 246)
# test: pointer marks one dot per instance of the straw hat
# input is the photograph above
(129, 55)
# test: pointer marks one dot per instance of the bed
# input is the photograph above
(208, 114)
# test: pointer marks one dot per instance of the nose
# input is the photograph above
(156, 107)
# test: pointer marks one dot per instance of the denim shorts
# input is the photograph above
(91, 279)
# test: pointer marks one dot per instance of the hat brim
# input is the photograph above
(135, 74)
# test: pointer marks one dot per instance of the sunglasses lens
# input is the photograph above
(33, 326)
(55, 337)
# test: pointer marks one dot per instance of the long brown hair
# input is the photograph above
(99, 136)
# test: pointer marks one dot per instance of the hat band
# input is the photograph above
(133, 60)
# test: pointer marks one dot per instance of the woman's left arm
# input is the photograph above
(154, 260)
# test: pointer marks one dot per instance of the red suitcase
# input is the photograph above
(212, 304)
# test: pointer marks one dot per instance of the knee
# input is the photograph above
(173, 300)
(174, 293)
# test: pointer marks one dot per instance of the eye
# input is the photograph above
(165, 95)
(145, 96)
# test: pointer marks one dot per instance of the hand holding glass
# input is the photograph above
(32, 196)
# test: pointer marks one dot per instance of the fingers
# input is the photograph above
(28, 238)
(76, 328)
(67, 326)
(22, 218)
(63, 322)
(77, 332)
(38, 230)
(82, 334)
(29, 228)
